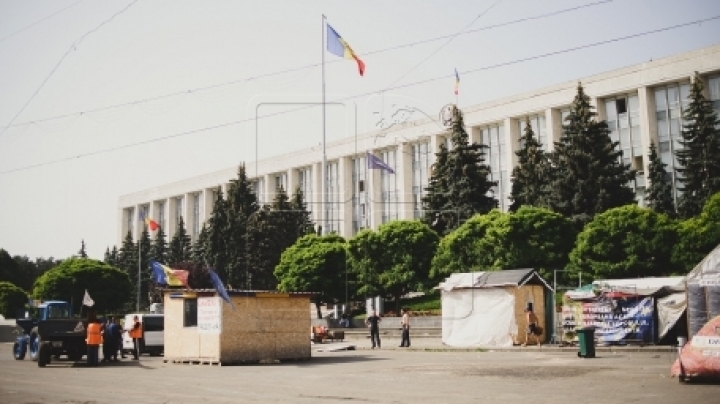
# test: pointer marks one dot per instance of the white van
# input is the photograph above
(153, 340)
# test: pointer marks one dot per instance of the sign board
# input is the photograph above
(700, 341)
(209, 315)
(614, 321)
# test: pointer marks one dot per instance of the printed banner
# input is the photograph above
(621, 319)
(209, 315)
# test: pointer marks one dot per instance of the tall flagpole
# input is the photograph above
(323, 171)
(137, 302)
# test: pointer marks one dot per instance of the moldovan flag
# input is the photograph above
(87, 300)
(151, 224)
(164, 275)
(337, 46)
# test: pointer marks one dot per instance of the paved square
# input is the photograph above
(375, 376)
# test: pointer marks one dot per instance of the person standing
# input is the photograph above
(532, 326)
(136, 333)
(373, 323)
(405, 323)
(93, 341)
(117, 334)
(108, 340)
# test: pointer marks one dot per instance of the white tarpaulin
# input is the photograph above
(642, 286)
(478, 317)
(669, 310)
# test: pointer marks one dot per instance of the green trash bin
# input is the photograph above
(586, 342)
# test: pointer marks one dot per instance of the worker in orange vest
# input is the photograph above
(93, 341)
(136, 333)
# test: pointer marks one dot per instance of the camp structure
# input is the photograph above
(700, 357)
(201, 327)
(487, 309)
(638, 310)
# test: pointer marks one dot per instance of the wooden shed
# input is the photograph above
(486, 309)
(259, 325)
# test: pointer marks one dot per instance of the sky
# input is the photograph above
(103, 99)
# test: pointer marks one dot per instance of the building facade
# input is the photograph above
(641, 104)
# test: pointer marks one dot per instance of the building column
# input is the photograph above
(435, 141)
(648, 126)
(187, 213)
(269, 188)
(172, 217)
(122, 229)
(553, 120)
(512, 137)
(345, 192)
(317, 190)
(404, 175)
(137, 223)
(374, 191)
(292, 182)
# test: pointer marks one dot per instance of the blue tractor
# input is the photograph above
(52, 333)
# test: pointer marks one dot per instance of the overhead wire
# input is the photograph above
(39, 21)
(508, 63)
(295, 69)
(73, 47)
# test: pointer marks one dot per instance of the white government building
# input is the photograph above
(640, 103)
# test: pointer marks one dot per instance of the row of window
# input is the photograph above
(622, 114)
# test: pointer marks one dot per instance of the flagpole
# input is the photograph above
(323, 170)
(137, 302)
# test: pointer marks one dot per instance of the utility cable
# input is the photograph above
(39, 21)
(295, 69)
(512, 62)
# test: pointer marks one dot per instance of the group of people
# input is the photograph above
(373, 323)
(109, 335)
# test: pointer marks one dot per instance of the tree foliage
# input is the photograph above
(12, 298)
(242, 203)
(699, 157)
(625, 242)
(530, 176)
(314, 264)
(465, 249)
(12, 272)
(82, 253)
(159, 249)
(180, 247)
(659, 194)
(588, 176)
(697, 236)
(459, 186)
(529, 238)
(108, 286)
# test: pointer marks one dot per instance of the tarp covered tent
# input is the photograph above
(638, 309)
(484, 309)
(700, 357)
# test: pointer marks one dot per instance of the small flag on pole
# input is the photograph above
(337, 46)
(166, 276)
(217, 283)
(457, 82)
(87, 300)
(151, 224)
(375, 162)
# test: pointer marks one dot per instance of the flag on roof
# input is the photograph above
(217, 283)
(457, 82)
(337, 46)
(166, 276)
(376, 162)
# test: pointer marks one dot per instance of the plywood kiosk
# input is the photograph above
(200, 327)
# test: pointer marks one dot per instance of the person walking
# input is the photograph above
(373, 323)
(136, 333)
(405, 323)
(532, 326)
(93, 341)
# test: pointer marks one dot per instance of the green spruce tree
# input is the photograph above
(127, 261)
(159, 249)
(180, 249)
(530, 176)
(303, 218)
(217, 244)
(659, 194)
(588, 176)
(242, 204)
(145, 251)
(699, 157)
(459, 187)
(82, 253)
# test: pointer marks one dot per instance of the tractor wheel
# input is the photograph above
(34, 344)
(44, 355)
(19, 351)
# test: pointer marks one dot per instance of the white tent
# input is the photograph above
(484, 309)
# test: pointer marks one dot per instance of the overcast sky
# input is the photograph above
(106, 98)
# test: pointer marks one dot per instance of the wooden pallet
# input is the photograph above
(194, 361)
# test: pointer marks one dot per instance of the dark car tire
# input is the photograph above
(44, 355)
(32, 341)
(19, 351)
